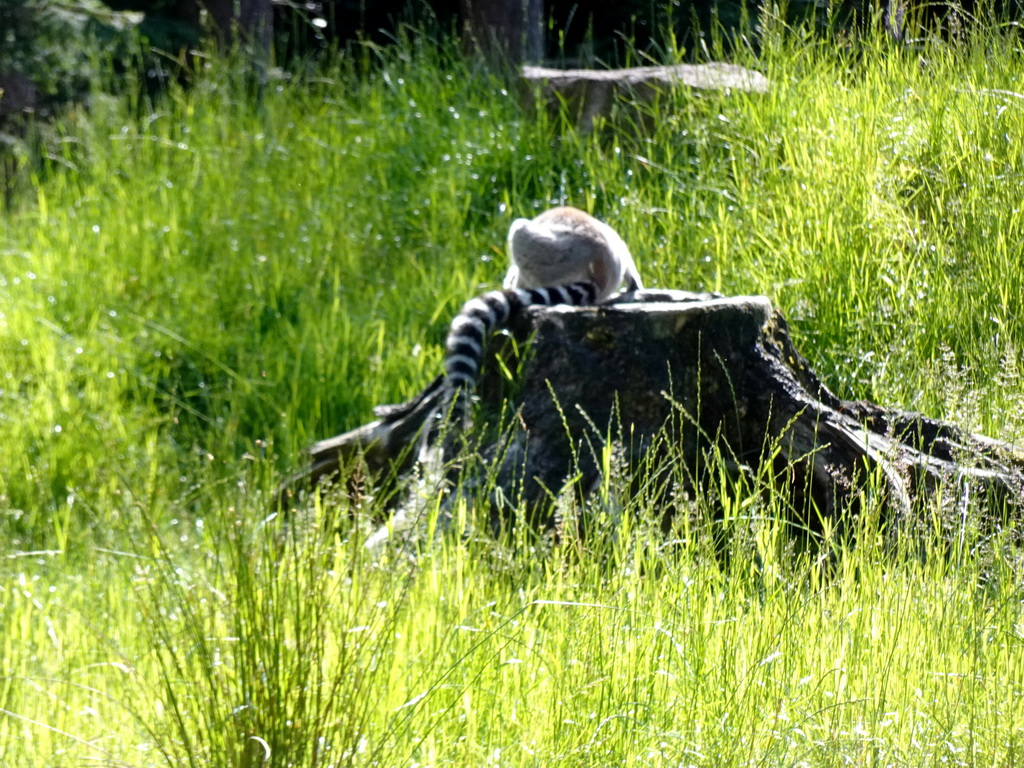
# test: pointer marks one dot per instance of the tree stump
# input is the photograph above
(587, 94)
(691, 375)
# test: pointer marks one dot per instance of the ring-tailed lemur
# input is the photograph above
(563, 256)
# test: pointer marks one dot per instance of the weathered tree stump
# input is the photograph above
(700, 374)
(587, 94)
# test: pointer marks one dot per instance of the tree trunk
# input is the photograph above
(505, 31)
(249, 23)
(674, 376)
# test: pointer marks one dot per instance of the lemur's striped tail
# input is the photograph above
(479, 318)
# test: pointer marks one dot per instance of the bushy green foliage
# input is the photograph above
(63, 48)
(202, 286)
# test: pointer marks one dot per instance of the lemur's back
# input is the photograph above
(566, 245)
(563, 256)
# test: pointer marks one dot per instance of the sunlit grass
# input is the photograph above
(202, 286)
(216, 642)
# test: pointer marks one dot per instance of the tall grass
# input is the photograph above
(203, 285)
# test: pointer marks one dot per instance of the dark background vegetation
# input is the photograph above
(49, 50)
(54, 54)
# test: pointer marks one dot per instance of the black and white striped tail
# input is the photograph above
(480, 317)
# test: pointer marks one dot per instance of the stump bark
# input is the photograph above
(671, 375)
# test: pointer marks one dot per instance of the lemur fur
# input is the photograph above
(566, 245)
(563, 256)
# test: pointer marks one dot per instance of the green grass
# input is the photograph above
(199, 288)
